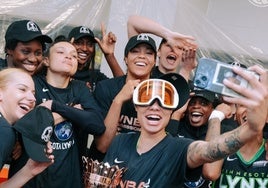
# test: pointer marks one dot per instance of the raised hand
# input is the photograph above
(127, 91)
(107, 43)
(178, 41)
(255, 99)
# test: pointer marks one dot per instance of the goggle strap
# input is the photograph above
(147, 89)
(163, 92)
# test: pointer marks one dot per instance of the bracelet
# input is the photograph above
(217, 114)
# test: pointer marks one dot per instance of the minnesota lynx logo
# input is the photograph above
(31, 26)
(143, 37)
(47, 133)
(259, 3)
(84, 30)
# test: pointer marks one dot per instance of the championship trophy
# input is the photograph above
(101, 175)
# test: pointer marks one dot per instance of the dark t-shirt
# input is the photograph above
(3, 63)
(105, 92)
(163, 166)
(92, 77)
(7, 139)
(156, 72)
(69, 138)
(185, 130)
(199, 133)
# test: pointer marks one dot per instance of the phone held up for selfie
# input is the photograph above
(210, 73)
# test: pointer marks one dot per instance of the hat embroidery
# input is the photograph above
(31, 26)
(143, 37)
(235, 63)
(47, 133)
(174, 78)
(84, 30)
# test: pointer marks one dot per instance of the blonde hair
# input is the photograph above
(7, 75)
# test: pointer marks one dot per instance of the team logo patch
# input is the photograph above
(84, 30)
(195, 184)
(31, 26)
(63, 130)
(143, 37)
(47, 133)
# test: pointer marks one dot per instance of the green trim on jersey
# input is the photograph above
(255, 157)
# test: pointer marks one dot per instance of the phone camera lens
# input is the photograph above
(198, 82)
(204, 78)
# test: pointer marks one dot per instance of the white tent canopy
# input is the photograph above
(225, 30)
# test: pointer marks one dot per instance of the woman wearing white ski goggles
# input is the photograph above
(150, 90)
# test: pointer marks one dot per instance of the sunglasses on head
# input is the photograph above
(150, 90)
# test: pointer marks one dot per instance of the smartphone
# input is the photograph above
(210, 73)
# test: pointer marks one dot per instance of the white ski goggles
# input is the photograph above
(149, 90)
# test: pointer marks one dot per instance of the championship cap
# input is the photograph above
(36, 127)
(181, 86)
(139, 39)
(210, 96)
(25, 30)
(81, 31)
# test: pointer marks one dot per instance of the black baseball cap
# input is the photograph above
(81, 31)
(210, 96)
(139, 39)
(36, 127)
(181, 86)
(25, 30)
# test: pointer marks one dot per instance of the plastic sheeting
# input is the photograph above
(54, 17)
(194, 17)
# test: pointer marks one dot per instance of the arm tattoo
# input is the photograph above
(216, 149)
(230, 144)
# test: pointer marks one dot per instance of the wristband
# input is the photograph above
(217, 114)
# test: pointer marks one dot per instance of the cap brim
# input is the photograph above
(209, 96)
(34, 150)
(85, 35)
(208, 99)
(141, 42)
(43, 38)
(181, 86)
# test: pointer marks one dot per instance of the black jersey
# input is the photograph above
(3, 63)
(105, 92)
(8, 138)
(156, 72)
(68, 137)
(237, 172)
(91, 76)
(185, 130)
(188, 131)
(163, 166)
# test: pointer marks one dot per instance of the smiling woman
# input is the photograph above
(176, 160)
(16, 94)
(16, 100)
(25, 44)
(77, 115)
